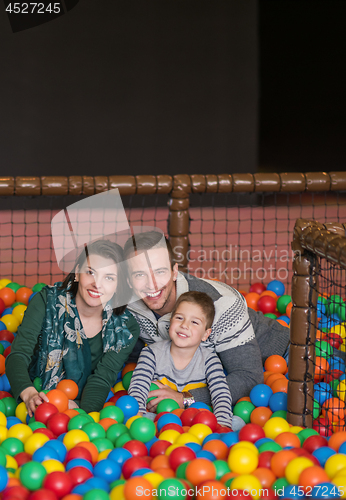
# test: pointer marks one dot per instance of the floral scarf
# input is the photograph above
(63, 349)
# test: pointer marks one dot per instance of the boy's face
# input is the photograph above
(188, 326)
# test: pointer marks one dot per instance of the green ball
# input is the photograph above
(222, 468)
(334, 303)
(2, 406)
(127, 380)
(181, 470)
(78, 421)
(117, 482)
(324, 349)
(32, 419)
(270, 446)
(38, 384)
(103, 444)
(167, 405)
(229, 482)
(124, 438)
(317, 409)
(270, 315)
(38, 287)
(94, 430)
(305, 433)
(2, 349)
(18, 304)
(341, 312)
(12, 446)
(115, 431)
(14, 286)
(153, 387)
(32, 475)
(142, 429)
(323, 300)
(10, 406)
(279, 484)
(279, 413)
(243, 409)
(36, 425)
(3, 458)
(172, 488)
(112, 412)
(80, 411)
(334, 385)
(283, 302)
(96, 494)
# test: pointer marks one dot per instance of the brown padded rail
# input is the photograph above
(181, 184)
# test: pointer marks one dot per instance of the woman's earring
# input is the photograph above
(75, 279)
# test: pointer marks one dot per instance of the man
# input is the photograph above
(155, 280)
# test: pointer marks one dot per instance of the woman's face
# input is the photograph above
(97, 279)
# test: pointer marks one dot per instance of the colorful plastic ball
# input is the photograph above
(181, 455)
(243, 409)
(58, 399)
(252, 299)
(247, 482)
(167, 405)
(44, 412)
(119, 456)
(34, 442)
(199, 470)
(59, 447)
(275, 364)
(260, 415)
(200, 431)
(7, 295)
(168, 418)
(128, 405)
(23, 294)
(18, 312)
(277, 287)
(142, 429)
(132, 464)
(257, 288)
(68, 387)
(206, 418)
(32, 475)
(278, 401)
(282, 303)
(11, 322)
(295, 467)
(74, 437)
(251, 432)
(266, 304)
(59, 482)
(108, 470)
(334, 464)
(242, 460)
(260, 395)
(275, 426)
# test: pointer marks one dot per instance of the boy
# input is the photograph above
(183, 363)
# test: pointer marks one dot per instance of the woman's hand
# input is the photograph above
(32, 399)
(164, 392)
(72, 404)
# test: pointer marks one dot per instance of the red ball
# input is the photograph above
(15, 493)
(173, 426)
(46, 432)
(333, 339)
(323, 426)
(59, 482)
(221, 429)
(6, 335)
(137, 448)
(181, 455)
(251, 432)
(207, 418)
(257, 288)
(22, 458)
(116, 396)
(159, 448)
(43, 494)
(7, 351)
(133, 464)
(188, 415)
(266, 304)
(79, 452)
(44, 411)
(264, 459)
(79, 475)
(332, 375)
(5, 394)
(312, 443)
(58, 423)
(2, 306)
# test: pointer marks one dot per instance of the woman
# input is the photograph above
(70, 331)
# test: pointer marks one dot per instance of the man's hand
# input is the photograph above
(32, 399)
(162, 393)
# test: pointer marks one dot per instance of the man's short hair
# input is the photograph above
(146, 241)
(202, 300)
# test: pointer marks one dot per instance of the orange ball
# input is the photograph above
(283, 323)
(2, 364)
(229, 475)
(336, 440)
(265, 476)
(273, 377)
(160, 462)
(280, 460)
(266, 375)
(23, 295)
(260, 415)
(276, 364)
(129, 367)
(94, 452)
(333, 409)
(289, 309)
(8, 296)
(135, 484)
(280, 385)
(71, 413)
(252, 299)
(321, 367)
(288, 439)
(217, 448)
(178, 411)
(58, 399)
(200, 470)
(165, 472)
(69, 387)
(311, 476)
(245, 398)
(270, 293)
(107, 422)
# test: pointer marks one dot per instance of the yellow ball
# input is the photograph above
(118, 387)
(275, 426)
(295, 467)
(117, 493)
(34, 442)
(186, 437)
(11, 322)
(249, 483)
(19, 311)
(95, 415)
(3, 433)
(72, 438)
(11, 462)
(154, 478)
(342, 348)
(295, 429)
(245, 444)
(201, 431)
(170, 435)
(4, 282)
(340, 330)
(3, 419)
(340, 483)
(21, 412)
(53, 465)
(103, 454)
(334, 464)
(131, 419)
(341, 390)
(242, 461)
(169, 450)
(20, 431)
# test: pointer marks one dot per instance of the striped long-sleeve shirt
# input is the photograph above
(205, 369)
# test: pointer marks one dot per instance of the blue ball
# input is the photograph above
(336, 363)
(128, 405)
(45, 453)
(59, 447)
(230, 438)
(261, 441)
(292, 491)
(278, 401)
(150, 443)
(2, 326)
(200, 405)
(206, 454)
(110, 395)
(96, 483)
(32, 296)
(5, 343)
(322, 392)
(342, 448)
(321, 308)
(194, 447)
(325, 491)
(3, 478)
(119, 455)
(260, 395)
(12, 421)
(285, 318)
(108, 470)
(8, 310)
(5, 383)
(79, 462)
(168, 418)
(211, 437)
(322, 454)
(141, 472)
(277, 287)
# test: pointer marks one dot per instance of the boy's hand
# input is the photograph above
(32, 399)
(162, 393)
(72, 404)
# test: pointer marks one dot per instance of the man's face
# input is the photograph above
(152, 279)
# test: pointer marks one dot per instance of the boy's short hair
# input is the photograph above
(202, 300)
(146, 241)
